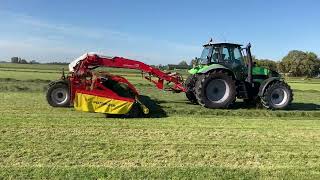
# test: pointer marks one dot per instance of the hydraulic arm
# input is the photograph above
(92, 60)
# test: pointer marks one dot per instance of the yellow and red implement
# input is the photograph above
(103, 92)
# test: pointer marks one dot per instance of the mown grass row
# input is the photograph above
(306, 98)
(306, 102)
(33, 66)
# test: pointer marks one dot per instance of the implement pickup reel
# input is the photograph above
(103, 92)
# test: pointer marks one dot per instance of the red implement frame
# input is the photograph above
(80, 82)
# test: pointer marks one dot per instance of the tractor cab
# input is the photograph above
(222, 53)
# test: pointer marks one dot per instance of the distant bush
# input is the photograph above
(58, 63)
(19, 60)
(266, 63)
(299, 63)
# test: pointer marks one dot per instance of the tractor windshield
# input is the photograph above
(206, 55)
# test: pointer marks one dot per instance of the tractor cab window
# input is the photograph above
(215, 55)
(231, 56)
(206, 54)
(225, 56)
(237, 56)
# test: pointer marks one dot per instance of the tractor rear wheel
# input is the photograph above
(278, 95)
(215, 90)
(189, 85)
(58, 95)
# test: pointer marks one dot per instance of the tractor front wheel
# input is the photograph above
(278, 95)
(58, 95)
(215, 90)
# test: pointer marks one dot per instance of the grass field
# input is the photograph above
(180, 140)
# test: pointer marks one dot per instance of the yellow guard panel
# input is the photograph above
(92, 103)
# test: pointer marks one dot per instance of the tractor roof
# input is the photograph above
(221, 44)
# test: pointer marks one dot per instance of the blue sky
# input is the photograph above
(156, 32)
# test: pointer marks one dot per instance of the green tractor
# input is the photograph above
(226, 72)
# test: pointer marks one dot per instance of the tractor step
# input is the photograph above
(242, 91)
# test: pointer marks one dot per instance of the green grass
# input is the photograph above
(33, 66)
(20, 75)
(181, 141)
(305, 86)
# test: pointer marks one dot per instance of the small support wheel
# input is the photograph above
(58, 95)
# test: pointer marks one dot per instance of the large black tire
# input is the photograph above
(215, 90)
(189, 85)
(278, 95)
(58, 95)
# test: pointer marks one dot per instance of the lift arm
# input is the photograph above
(93, 60)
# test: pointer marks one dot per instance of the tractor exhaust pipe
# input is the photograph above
(250, 63)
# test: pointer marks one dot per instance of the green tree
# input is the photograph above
(183, 63)
(34, 62)
(14, 60)
(194, 61)
(23, 61)
(266, 63)
(299, 63)
(311, 64)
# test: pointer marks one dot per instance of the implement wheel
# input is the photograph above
(58, 95)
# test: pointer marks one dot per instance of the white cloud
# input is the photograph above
(53, 40)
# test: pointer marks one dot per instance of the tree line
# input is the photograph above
(19, 60)
(295, 63)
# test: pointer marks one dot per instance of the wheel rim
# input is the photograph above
(217, 90)
(59, 96)
(279, 97)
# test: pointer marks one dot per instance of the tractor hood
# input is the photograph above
(264, 71)
(256, 71)
(74, 63)
(260, 71)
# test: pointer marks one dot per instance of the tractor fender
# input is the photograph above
(216, 67)
(265, 84)
(211, 67)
